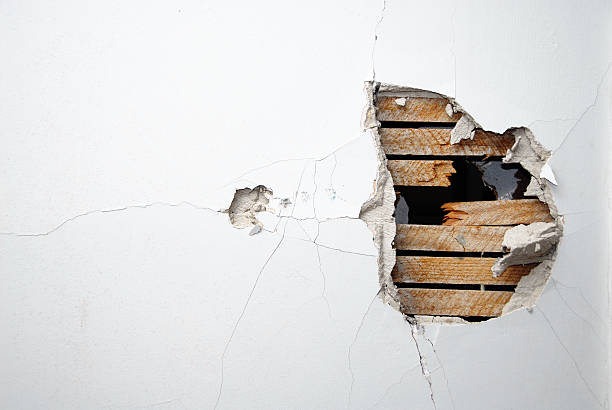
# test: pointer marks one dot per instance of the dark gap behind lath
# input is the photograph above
(413, 252)
(458, 286)
(424, 203)
(415, 124)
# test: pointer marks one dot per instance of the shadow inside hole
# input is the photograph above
(422, 205)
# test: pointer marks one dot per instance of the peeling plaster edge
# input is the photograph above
(532, 156)
(377, 211)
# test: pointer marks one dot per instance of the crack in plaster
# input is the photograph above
(573, 360)
(452, 49)
(112, 210)
(242, 313)
(376, 27)
(584, 299)
(587, 109)
(324, 290)
(589, 324)
(350, 367)
(414, 331)
(433, 348)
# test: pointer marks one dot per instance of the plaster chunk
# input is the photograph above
(246, 204)
(527, 244)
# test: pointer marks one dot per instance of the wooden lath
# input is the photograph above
(420, 173)
(453, 302)
(436, 141)
(512, 212)
(450, 238)
(414, 109)
(454, 270)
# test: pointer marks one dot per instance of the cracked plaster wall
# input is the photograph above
(127, 128)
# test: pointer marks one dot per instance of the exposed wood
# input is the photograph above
(442, 269)
(416, 109)
(514, 212)
(436, 141)
(450, 238)
(421, 173)
(451, 302)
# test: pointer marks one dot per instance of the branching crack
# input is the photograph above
(378, 23)
(573, 360)
(105, 211)
(433, 348)
(424, 370)
(350, 367)
(587, 109)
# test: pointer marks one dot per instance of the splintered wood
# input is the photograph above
(420, 173)
(518, 211)
(415, 132)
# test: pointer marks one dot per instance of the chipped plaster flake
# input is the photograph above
(401, 101)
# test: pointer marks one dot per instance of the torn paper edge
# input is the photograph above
(526, 151)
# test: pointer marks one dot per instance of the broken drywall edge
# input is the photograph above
(532, 156)
(377, 211)
(527, 151)
(530, 287)
(246, 204)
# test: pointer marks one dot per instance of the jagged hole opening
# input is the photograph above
(453, 204)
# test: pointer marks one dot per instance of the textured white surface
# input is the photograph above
(135, 107)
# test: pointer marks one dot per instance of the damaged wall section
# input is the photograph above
(465, 226)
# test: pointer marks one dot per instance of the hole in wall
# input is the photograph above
(457, 204)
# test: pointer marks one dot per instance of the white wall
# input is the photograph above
(127, 125)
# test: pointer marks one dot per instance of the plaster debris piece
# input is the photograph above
(246, 204)
(285, 202)
(527, 244)
(465, 129)
(256, 229)
(449, 110)
(401, 101)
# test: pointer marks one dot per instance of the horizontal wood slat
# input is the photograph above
(416, 109)
(450, 238)
(454, 270)
(436, 141)
(421, 173)
(451, 302)
(512, 212)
